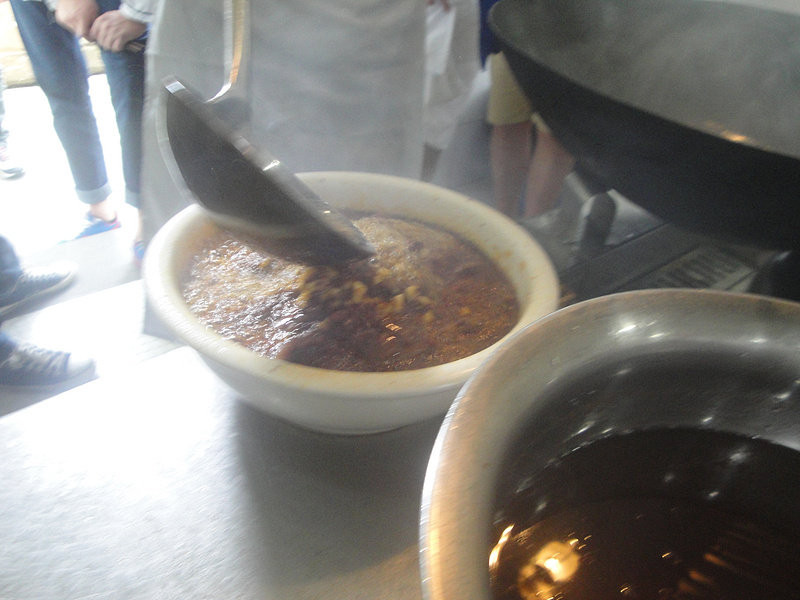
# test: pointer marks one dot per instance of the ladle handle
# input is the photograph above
(237, 45)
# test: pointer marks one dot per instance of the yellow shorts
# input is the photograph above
(508, 104)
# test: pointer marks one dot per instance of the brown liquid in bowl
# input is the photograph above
(658, 514)
(427, 297)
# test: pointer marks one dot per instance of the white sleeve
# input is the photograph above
(138, 10)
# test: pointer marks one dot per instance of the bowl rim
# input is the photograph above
(454, 491)
(359, 385)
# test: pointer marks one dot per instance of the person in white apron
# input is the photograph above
(334, 85)
(452, 64)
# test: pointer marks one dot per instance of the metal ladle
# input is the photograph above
(244, 187)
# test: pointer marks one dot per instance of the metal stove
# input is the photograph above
(602, 243)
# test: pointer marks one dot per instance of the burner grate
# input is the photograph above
(706, 266)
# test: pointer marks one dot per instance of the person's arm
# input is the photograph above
(77, 15)
(138, 10)
(114, 29)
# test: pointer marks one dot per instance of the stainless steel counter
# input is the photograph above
(160, 483)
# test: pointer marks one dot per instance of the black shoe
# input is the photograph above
(30, 367)
(35, 283)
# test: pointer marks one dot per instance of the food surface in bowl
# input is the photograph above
(427, 297)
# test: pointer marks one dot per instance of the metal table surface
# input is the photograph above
(161, 483)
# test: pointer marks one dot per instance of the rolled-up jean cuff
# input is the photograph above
(94, 196)
(132, 198)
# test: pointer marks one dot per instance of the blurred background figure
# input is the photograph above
(50, 32)
(452, 63)
(335, 85)
(528, 163)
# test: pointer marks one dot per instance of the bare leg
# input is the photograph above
(139, 235)
(104, 210)
(550, 164)
(509, 155)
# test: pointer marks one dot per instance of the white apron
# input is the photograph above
(453, 63)
(335, 85)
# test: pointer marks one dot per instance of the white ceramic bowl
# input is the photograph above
(352, 402)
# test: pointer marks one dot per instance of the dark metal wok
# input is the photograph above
(689, 108)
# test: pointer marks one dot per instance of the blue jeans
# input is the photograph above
(61, 72)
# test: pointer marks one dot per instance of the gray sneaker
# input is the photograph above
(36, 282)
(31, 367)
